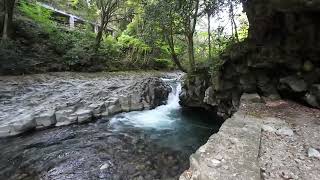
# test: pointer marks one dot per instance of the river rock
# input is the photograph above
(45, 119)
(315, 90)
(294, 83)
(311, 100)
(136, 103)
(17, 125)
(208, 98)
(125, 103)
(313, 153)
(66, 117)
(155, 91)
(83, 115)
(254, 98)
(268, 128)
(285, 131)
(113, 106)
(97, 108)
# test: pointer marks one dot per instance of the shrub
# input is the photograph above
(163, 64)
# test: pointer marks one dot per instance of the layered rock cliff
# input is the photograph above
(280, 58)
(60, 99)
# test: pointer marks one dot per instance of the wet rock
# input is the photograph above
(97, 108)
(155, 91)
(125, 103)
(105, 166)
(83, 115)
(313, 153)
(114, 109)
(135, 103)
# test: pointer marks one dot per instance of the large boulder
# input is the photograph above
(154, 91)
(194, 87)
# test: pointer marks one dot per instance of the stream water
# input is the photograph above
(152, 144)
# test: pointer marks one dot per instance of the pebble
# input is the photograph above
(215, 162)
(313, 153)
(285, 131)
(268, 128)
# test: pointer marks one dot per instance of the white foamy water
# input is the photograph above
(161, 117)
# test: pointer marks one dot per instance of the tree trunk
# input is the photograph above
(99, 37)
(177, 62)
(235, 29)
(5, 27)
(103, 24)
(175, 59)
(2, 12)
(209, 36)
(191, 52)
(7, 18)
(192, 22)
(233, 22)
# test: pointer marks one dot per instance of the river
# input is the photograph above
(151, 144)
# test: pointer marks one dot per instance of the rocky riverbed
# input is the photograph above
(58, 99)
(149, 144)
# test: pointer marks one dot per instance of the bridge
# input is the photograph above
(73, 20)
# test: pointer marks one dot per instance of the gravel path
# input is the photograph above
(290, 142)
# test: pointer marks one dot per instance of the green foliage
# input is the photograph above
(163, 64)
(244, 27)
(38, 14)
(151, 32)
(136, 44)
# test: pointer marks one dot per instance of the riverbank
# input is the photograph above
(264, 139)
(58, 99)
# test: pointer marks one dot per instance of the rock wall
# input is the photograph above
(280, 58)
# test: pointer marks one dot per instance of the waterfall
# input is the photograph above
(173, 99)
(159, 118)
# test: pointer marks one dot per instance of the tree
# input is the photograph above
(6, 15)
(189, 11)
(108, 12)
(161, 17)
(234, 27)
(209, 9)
